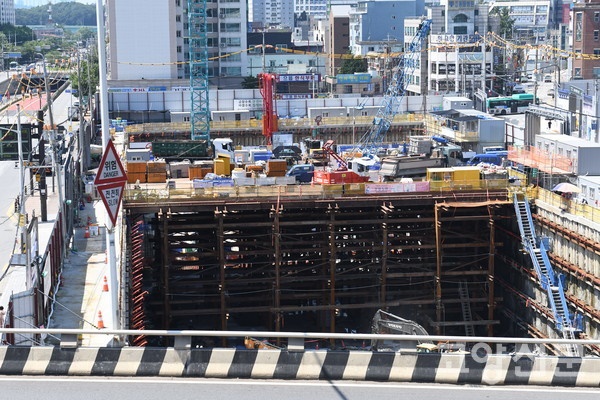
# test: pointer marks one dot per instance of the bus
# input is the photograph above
(515, 104)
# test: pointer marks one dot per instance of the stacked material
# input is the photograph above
(157, 171)
(136, 171)
(276, 168)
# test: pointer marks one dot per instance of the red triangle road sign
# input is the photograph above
(111, 195)
(110, 169)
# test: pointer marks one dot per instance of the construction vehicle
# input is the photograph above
(386, 323)
(423, 153)
(369, 143)
(267, 86)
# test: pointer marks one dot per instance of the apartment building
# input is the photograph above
(149, 40)
(271, 13)
(7, 12)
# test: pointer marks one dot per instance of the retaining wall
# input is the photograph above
(319, 364)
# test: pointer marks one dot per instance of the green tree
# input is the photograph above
(352, 65)
(506, 22)
(71, 13)
(83, 81)
(250, 82)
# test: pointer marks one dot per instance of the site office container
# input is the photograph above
(452, 178)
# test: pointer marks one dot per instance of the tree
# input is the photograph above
(506, 22)
(82, 81)
(250, 82)
(352, 65)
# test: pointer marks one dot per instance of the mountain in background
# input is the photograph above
(35, 3)
(67, 14)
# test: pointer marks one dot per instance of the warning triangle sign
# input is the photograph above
(110, 169)
(111, 195)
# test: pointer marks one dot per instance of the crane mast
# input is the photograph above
(266, 84)
(373, 138)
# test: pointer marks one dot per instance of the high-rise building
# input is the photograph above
(7, 12)
(149, 40)
(272, 13)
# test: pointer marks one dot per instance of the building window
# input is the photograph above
(596, 35)
(179, 49)
(597, 17)
(597, 52)
(178, 3)
(347, 89)
(178, 34)
(578, 72)
(178, 18)
(578, 26)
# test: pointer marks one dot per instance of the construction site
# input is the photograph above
(476, 257)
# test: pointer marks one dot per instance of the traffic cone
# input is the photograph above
(100, 322)
(86, 234)
(105, 287)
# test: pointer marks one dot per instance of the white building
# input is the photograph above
(458, 60)
(136, 52)
(275, 13)
(7, 12)
(532, 19)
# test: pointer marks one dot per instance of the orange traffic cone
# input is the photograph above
(105, 287)
(86, 234)
(100, 322)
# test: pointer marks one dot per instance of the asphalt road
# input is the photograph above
(77, 388)
(9, 179)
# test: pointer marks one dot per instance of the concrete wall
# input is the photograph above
(317, 364)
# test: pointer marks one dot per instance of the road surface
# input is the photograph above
(99, 388)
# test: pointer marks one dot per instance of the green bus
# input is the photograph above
(515, 104)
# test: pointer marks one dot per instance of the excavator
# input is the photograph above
(386, 323)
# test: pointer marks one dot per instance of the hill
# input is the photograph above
(71, 13)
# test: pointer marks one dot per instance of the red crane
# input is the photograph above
(266, 84)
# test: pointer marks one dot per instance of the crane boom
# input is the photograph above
(373, 138)
(267, 85)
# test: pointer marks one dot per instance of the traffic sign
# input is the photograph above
(111, 195)
(110, 169)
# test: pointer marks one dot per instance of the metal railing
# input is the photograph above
(481, 341)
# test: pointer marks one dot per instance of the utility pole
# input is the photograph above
(42, 170)
(56, 164)
(110, 231)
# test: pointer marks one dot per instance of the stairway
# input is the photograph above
(548, 280)
(463, 293)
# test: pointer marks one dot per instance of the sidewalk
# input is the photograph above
(81, 296)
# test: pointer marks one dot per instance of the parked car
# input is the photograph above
(550, 93)
(547, 78)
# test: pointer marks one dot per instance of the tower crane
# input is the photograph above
(373, 138)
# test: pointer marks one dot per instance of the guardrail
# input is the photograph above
(519, 364)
